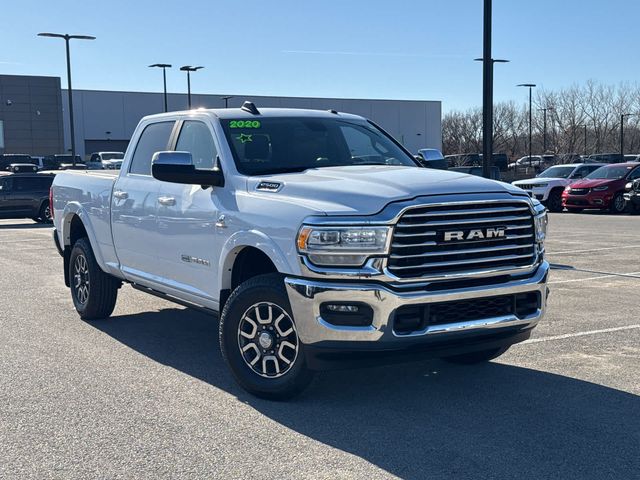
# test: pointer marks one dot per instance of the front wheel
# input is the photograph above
(476, 357)
(94, 292)
(618, 204)
(259, 340)
(554, 203)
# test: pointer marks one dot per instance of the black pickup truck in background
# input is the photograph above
(25, 195)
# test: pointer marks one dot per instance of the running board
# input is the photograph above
(170, 298)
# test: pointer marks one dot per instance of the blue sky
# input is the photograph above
(335, 48)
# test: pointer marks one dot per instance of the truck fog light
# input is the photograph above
(342, 308)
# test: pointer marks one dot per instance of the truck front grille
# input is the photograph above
(458, 239)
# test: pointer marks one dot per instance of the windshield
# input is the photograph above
(610, 172)
(557, 172)
(112, 156)
(279, 145)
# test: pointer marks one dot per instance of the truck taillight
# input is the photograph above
(51, 201)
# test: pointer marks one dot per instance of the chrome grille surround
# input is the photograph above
(419, 249)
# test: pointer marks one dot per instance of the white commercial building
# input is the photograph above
(105, 120)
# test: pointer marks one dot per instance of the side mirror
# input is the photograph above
(178, 167)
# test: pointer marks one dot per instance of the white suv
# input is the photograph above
(547, 186)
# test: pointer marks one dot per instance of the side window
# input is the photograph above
(196, 138)
(42, 184)
(21, 184)
(154, 138)
(360, 144)
(583, 171)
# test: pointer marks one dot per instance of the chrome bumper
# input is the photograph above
(306, 296)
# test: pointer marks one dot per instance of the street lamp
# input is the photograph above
(189, 69)
(67, 38)
(622, 132)
(544, 127)
(584, 125)
(164, 67)
(530, 86)
(487, 91)
(487, 116)
(226, 100)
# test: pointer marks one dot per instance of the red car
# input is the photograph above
(602, 189)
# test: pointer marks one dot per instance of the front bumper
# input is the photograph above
(307, 296)
(597, 200)
(632, 197)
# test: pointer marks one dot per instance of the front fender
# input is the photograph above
(284, 263)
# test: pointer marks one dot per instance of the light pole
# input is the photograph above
(530, 86)
(584, 125)
(67, 38)
(487, 117)
(544, 127)
(622, 132)
(226, 100)
(164, 67)
(487, 91)
(189, 69)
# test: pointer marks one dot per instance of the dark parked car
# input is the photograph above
(632, 196)
(464, 160)
(477, 171)
(8, 158)
(60, 161)
(22, 168)
(605, 158)
(25, 195)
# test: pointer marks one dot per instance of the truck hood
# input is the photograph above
(365, 190)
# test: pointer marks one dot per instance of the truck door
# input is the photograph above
(187, 215)
(134, 205)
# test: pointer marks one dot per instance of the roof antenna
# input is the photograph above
(332, 111)
(250, 107)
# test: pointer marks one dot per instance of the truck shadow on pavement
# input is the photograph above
(427, 419)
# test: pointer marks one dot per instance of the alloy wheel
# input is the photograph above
(81, 279)
(268, 339)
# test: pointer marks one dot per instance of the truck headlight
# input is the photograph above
(541, 221)
(342, 246)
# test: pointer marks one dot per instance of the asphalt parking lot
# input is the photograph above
(146, 394)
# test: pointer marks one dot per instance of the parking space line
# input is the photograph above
(580, 334)
(629, 275)
(593, 249)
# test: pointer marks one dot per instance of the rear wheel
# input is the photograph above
(618, 204)
(554, 202)
(259, 340)
(476, 357)
(94, 292)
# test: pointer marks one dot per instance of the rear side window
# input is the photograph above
(196, 139)
(154, 138)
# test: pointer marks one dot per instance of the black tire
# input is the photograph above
(262, 292)
(618, 203)
(554, 202)
(94, 292)
(633, 208)
(44, 214)
(476, 357)
(573, 210)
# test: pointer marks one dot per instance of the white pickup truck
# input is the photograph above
(317, 237)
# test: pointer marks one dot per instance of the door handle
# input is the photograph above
(120, 195)
(167, 201)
